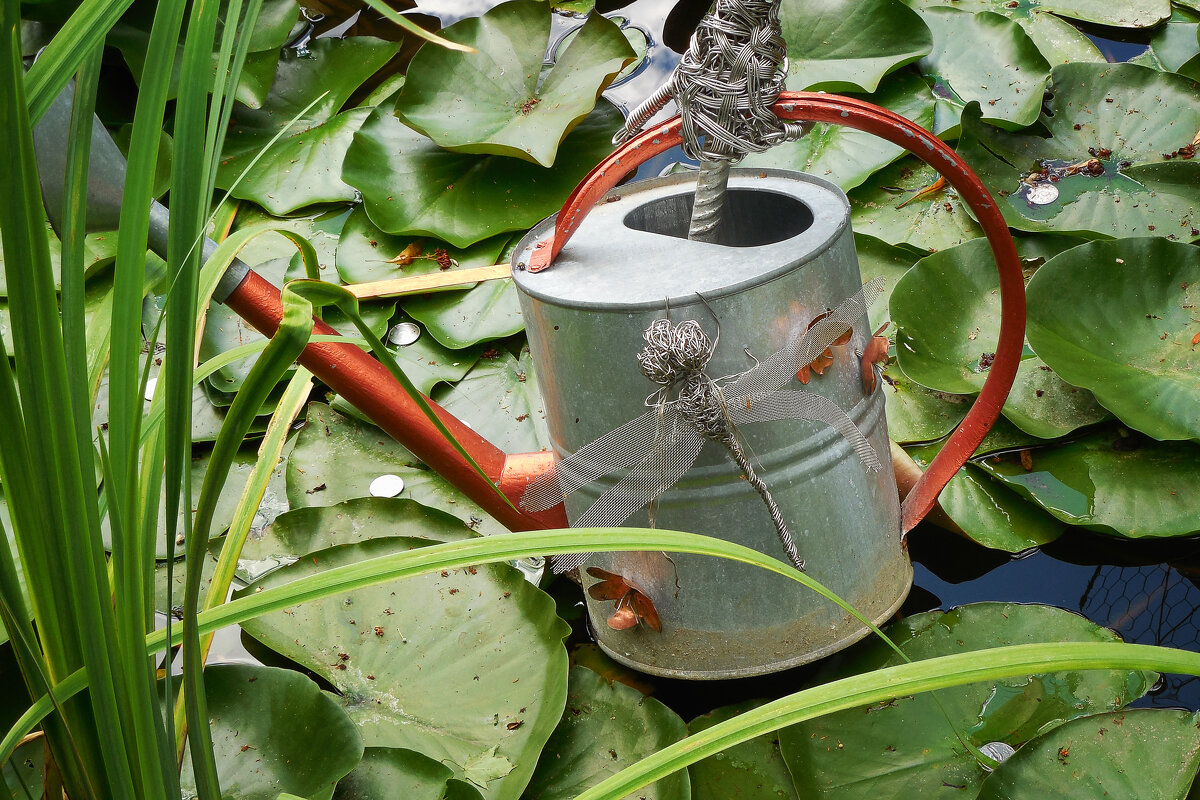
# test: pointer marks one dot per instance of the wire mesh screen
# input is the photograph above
(1152, 604)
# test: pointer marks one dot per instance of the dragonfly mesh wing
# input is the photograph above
(787, 404)
(775, 371)
(622, 448)
(666, 457)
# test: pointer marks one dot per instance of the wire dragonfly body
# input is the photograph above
(656, 449)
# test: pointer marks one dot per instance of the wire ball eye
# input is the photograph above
(691, 346)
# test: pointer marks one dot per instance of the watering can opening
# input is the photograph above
(750, 218)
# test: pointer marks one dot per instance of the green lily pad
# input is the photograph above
(364, 252)
(847, 156)
(879, 259)
(394, 772)
(887, 207)
(304, 167)
(754, 770)
(987, 58)
(906, 747)
(1112, 482)
(99, 250)
(917, 414)
(490, 310)
(1175, 48)
(606, 727)
(467, 667)
(947, 312)
(1142, 753)
(1058, 41)
(501, 402)
(849, 45)
(1119, 318)
(427, 363)
(1130, 120)
(989, 512)
(23, 771)
(499, 99)
(337, 457)
(1116, 13)
(412, 186)
(305, 530)
(274, 731)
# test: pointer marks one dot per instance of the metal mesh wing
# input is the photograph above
(621, 448)
(799, 404)
(667, 456)
(775, 371)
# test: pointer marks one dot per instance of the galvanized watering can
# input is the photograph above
(791, 257)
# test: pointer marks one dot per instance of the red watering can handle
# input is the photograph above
(808, 106)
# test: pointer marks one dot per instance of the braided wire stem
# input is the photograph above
(781, 529)
(708, 205)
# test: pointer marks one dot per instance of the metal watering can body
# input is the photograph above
(789, 256)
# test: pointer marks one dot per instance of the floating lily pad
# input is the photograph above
(304, 167)
(888, 207)
(427, 363)
(906, 747)
(491, 310)
(1174, 48)
(1120, 319)
(274, 731)
(23, 771)
(395, 772)
(306, 530)
(847, 156)
(412, 186)
(606, 727)
(501, 402)
(917, 414)
(753, 770)
(986, 58)
(989, 512)
(947, 312)
(1111, 481)
(500, 99)
(466, 667)
(99, 250)
(880, 259)
(1107, 166)
(364, 252)
(1143, 753)
(849, 45)
(336, 458)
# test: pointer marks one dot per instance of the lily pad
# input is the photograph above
(500, 99)
(490, 310)
(1119, 318)
(606, 727)
(274, 731)
(1117, 13)
(917, 414)
(987, 58)
(466, 667)
(907, 747)
(306, 530)
(412, 186)
(1107, 167)
(1142, 753)
(754, 770)
(1111, 481)
(849, 45)
(947, 312)
(989, 512)
(427, 363)
(304, 167)
(394, 772)
(879, 259)
(501, 401)
(99, 250)
(336, 458)
(1058, 41)
(1175, 48)
(847, 156)
(365, 253)
(890, 207)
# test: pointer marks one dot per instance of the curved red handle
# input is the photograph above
(808, 106)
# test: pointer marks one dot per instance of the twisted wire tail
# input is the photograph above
(785, 536)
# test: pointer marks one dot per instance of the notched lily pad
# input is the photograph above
(465, 666)
(906, 747)
(903, 205)
(501, 99)
(1121, 319)
(1111, 481)
(849, 45)
(753, 770)
(394, 772)
(1115, 162)
(606, 727)
(918, 414)
(501, 401)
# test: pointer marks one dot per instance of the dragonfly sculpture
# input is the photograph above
(656, 449)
